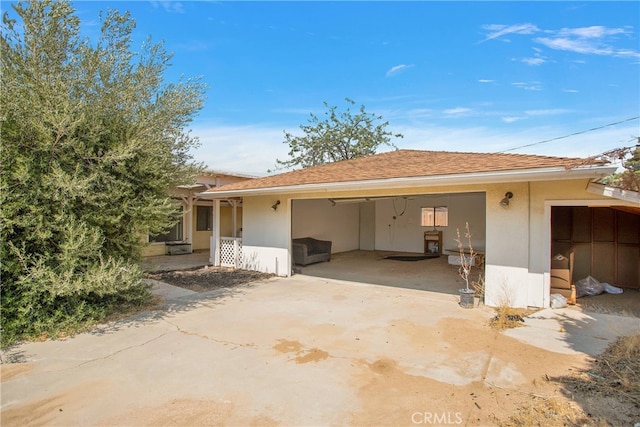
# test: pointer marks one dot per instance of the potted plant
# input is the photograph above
(467, 259)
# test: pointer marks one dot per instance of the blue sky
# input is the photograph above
(459, 76)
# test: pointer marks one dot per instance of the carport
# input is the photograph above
(390, 222)
(364, 231)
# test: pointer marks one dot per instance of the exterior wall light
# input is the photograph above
(505, 202)
(275, 205)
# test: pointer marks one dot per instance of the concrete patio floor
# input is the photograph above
(298, 351)
(435, 275)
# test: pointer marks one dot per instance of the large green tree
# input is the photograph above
(339, 136)
(92, 141)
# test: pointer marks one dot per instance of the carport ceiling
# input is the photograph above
(628, 209)
(337, 201)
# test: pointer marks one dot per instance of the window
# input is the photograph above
(435, 216)
(204, 218)
(171, 234)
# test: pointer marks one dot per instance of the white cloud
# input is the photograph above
(570, 90)
(512, 119)
(417, 113)
(533, 61)
(169, 6)
(592, 40)
(548, 112)
(536, 86)
(397, 69)
(457, 111)
(573, 45)
(244, 149)
(535, 113)
(498, 30)
(595, 31)
(489, 140)
(485, 81)
(537, 59)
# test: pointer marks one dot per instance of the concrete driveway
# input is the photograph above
(298, 351)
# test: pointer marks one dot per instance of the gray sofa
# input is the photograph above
(308, 250)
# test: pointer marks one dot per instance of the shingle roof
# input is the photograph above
(404, 164)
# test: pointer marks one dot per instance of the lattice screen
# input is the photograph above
(230, 252)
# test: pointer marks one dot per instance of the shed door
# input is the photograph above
(605, 241)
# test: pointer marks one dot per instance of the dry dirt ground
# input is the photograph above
(556, 389)
(208, 279)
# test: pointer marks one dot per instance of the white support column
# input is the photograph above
(214, 256)
(188, 217)
(234, 215)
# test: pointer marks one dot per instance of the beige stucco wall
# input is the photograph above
(367, 226)
(389, 224)
(201, 239)
(266, 235)
(319, 219)
(507, 256)
(395, 232)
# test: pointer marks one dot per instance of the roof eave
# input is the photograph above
(191, 186)
(494, 177)
(614, 192)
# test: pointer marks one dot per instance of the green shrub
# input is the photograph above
(32, 307)
(92, 143)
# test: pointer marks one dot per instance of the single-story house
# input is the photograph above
(521, 210)
(194, 230)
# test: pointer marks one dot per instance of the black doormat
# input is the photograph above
(411, 257)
